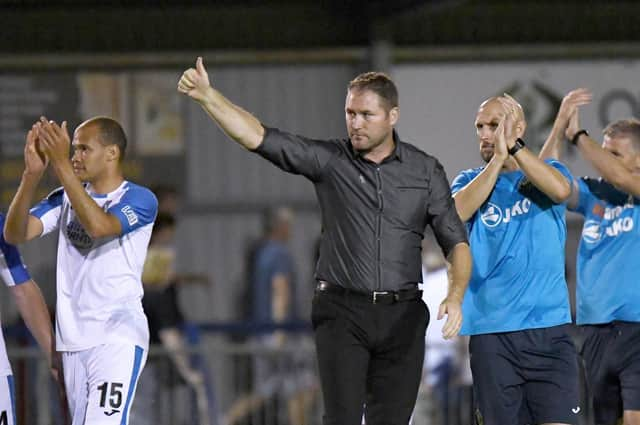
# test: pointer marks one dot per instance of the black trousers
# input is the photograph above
(370, 357)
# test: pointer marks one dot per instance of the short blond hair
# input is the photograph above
(629, 127)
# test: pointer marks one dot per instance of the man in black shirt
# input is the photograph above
(377, 195)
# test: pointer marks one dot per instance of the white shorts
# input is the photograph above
(7, 401)
(101, 382)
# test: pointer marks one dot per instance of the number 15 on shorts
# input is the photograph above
(111, 393)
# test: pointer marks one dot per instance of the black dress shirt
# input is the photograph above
(373, 215)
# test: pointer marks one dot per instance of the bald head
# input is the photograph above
(508, 103)
(490, 113)
(108, 132)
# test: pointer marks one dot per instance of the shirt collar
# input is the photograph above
(396, 153)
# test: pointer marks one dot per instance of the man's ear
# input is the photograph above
(521, 127)
(394, 114)
(636, 163)
(113, 153)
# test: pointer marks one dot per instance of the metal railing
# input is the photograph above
(263, 380)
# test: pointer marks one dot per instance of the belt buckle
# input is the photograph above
(376, 294)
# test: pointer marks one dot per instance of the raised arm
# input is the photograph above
(237, 123)
(475, 193)
(570, 103)
(608, 164)
(543, 176)
(19, 225)
(56, 143)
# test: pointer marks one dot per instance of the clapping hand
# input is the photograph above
(54, 140)
(35, 160)
(510, 119)
(500, 150)
(567, 118)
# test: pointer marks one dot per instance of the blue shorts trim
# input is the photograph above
(12, 394)
(135, 374)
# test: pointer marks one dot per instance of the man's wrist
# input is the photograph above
(32, 176)
(576, 137)
(498, 160)
(62, 168)
(209, 96)
(455, 298)
(519, 144)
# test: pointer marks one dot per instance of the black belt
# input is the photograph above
(375, 297)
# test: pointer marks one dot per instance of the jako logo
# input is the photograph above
(492, 215)
(623, 224)
(591, 231)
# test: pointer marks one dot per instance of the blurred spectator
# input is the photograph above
(165, 322)
(168, 199)
(272, 275)
(277, 373)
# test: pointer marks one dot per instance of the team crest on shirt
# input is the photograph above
(78, 236)
(598, 210)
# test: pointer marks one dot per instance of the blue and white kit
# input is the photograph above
(13, 272)
(101, 327)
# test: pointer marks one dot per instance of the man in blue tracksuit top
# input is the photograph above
(516, 309)
(608, 291)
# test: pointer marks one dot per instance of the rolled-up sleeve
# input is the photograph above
(296, 154)
(442, 215)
